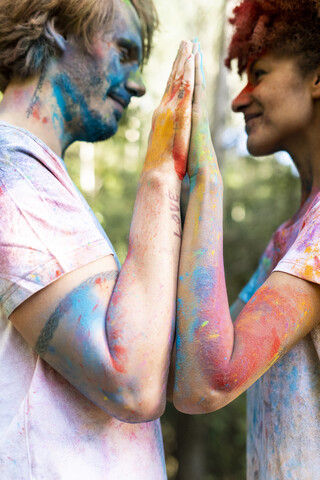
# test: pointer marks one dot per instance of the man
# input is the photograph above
(94, 344)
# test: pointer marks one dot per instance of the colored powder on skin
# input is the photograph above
(163, 130)
(61, 101)
(36, 112)
(179, 150)
(117, 363)
(95, 307)
(317, 262)
(111, 396)
(179, 162)
(202, 281)
(275, 344)
(93, 126)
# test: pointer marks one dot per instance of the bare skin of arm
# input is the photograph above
(110, 333)
(217, 359)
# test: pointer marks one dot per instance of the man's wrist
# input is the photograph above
(161, 175)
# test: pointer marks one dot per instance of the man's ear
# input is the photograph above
(54, 36)
(316, 84)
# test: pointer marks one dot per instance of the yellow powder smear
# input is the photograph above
(204, 324)
(308, 271)
(164, 130)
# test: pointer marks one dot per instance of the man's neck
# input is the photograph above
(31, 105)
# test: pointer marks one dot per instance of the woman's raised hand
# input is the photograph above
(201, 153)
(171, 124)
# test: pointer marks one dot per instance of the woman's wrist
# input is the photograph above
(207, 174)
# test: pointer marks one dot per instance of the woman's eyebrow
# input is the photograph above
(252, 65)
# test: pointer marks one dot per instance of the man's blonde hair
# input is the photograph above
(29, 30)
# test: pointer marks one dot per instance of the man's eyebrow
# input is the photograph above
(133, 47)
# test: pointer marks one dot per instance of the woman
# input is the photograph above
(274, 342)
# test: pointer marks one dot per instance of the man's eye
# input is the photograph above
(124, 55)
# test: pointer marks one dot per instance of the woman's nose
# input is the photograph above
(243, 99)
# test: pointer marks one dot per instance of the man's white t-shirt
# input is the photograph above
(50, 431)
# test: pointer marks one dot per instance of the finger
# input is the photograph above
(201, 69)
(185, 53)
(198, 83)
(195, 48)
(175, 66)
(187, 81)
(177, 59)
(178, 70)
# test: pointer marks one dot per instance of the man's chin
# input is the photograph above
(98, 128)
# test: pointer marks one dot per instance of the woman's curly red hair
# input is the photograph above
(288, 27)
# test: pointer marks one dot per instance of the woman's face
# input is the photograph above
(277, 104)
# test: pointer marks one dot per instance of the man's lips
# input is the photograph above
(123, 103)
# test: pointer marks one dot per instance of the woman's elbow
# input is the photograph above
(205, 402)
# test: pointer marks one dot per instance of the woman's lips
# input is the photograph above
(250, 118)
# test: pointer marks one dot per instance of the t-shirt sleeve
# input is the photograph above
(47, 229)
(303, 258)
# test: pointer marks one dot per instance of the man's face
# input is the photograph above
(93, 90)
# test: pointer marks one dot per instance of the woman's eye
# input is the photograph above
(258, 74)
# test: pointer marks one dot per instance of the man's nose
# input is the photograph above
(135, 84)
(243, 99)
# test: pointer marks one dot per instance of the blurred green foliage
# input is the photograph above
(259, 195)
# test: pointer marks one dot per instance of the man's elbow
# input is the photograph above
(143, 406)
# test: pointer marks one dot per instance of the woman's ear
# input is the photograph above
(316, 84)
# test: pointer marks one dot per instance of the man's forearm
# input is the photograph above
(143, 302)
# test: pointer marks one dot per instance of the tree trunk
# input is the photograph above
(192, 436)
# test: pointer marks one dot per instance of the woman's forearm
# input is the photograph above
(205, 334)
